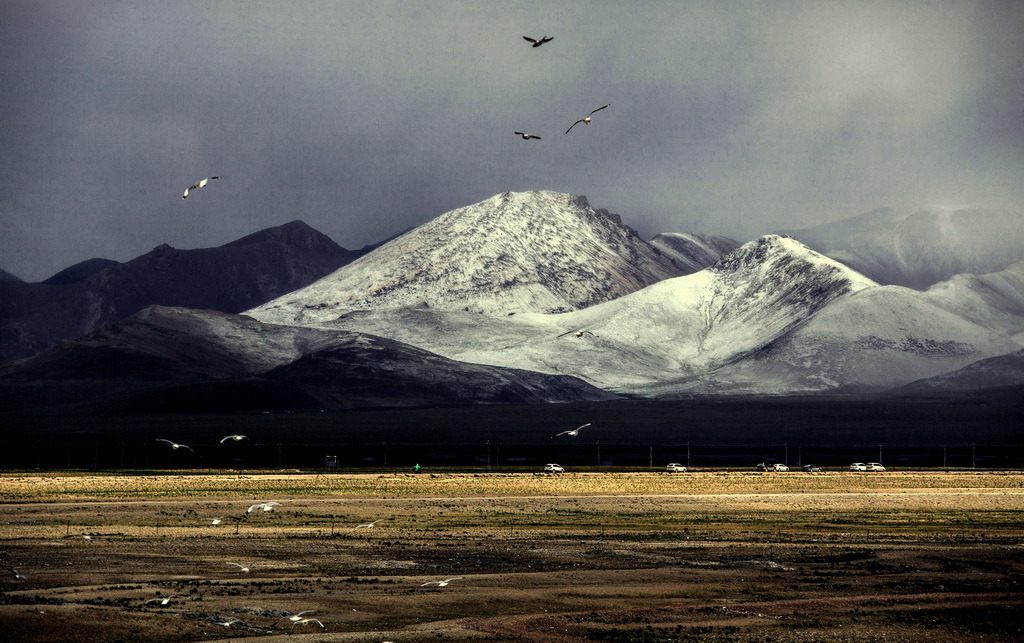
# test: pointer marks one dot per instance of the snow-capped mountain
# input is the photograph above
(693, 252)
(773, 317)
(917, 248)
(513, 253)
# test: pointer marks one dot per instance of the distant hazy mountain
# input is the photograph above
(772, 317)
(79, 271)
(176, 359)
(919, 248)
(1003, 374)
(230, 278)
(514, 252)
(6, 276)
(693, 252)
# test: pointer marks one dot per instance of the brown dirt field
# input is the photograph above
(605, 557)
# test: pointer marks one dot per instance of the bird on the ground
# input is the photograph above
(175, 445)
(241, 568)
(538, 43)
(309, 620)
(235, 438)
(196, 186)
(368, 525)
(441, 583)
(526, 136)
(586, 119)
(18, 575)
(162, 601)
(574, 432)
(265, 506)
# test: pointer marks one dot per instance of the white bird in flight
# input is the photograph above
(578, 333)
(196, 186)
(265, 506)
(538, 43)
(162, 601)
(368, 525)
(235, 438)
(574, 432)
(295, 618)
(216, 521)
(18, 575)
(309, 620)
(586, 119)
(441, 583)
(526, 136)
(241, 568)
(175, 445)
(228, 622)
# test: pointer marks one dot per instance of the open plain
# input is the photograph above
(698, 556)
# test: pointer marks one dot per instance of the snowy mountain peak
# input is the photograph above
(538, 251)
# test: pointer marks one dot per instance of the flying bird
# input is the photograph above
(216, 521)
(234, 438)
(369, 525)
(295, 618)
(526, 136)
(265, 506)
(441, 583)
(538, 43)
(175, 445)
(578, 333)
(162, 601)
(229, 622)
(201, 184)
(241, 568)
(18, 575)
(309, 620)
(586, 119)
(574, 432)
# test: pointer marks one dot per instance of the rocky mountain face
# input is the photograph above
(513, 253)
(921, 247)
(773, 317)
(164, 359)
(229, 278)
(693, 252)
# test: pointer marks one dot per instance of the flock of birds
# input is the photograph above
(299, 618)
(534, 42)
(585, 120)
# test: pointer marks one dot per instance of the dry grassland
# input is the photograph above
(705, 556)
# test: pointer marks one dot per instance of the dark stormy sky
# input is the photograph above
(363, 118)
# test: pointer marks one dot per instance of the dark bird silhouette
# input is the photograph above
(538, 43)
(586, 119)
(526, 136)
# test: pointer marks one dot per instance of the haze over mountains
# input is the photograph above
(917, 248)
(489, 302)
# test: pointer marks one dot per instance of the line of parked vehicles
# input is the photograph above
(675, 467)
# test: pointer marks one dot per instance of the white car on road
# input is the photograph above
(675, 467)
(554, 468)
